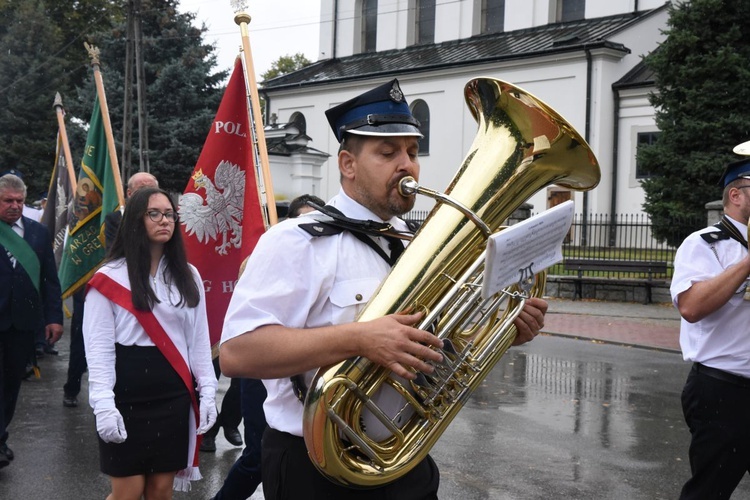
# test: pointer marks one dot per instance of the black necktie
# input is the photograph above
(396, 246)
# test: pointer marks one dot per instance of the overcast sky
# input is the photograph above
(278, 28)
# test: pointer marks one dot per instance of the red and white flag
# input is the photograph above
(220, 212)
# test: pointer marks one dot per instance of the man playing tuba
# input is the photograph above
(291, 315)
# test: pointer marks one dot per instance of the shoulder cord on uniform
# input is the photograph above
(731, 229)
(725, 230)
(360, 229)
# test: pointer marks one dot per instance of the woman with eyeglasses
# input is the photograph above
(151, 381)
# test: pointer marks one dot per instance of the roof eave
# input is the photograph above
(600, 44)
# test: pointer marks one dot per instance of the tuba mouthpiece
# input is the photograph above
(407, 186)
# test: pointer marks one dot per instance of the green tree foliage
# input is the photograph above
(281, 66)
(182, 93)
(36, 41)
(77, 21)
(702, 71)
(41, 42)
(284, 65)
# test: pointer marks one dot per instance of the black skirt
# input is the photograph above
(155, 406)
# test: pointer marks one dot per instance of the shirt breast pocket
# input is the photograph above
(349, 297)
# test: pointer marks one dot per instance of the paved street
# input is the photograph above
(573, 415)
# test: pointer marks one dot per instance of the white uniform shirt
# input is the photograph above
(300, 281)
(721, 339)
(106, 323)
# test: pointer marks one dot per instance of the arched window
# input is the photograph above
(570, 10)
(493, 16)
(298, 119)
(421, 112)
(369, 25)
(425, 21)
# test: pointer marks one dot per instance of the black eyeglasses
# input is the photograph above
(157, 216)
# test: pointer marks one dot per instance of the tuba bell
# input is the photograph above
(521, 146)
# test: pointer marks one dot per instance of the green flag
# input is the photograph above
(94, 198)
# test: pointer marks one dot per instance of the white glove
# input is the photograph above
(110, 426)
(208, 414)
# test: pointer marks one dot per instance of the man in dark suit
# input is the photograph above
(77, 362)
(30, 290)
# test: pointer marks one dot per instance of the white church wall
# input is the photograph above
(559, 80)
(636, 116)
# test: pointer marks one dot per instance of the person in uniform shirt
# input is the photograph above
(148, 351)
(244, 477)
(294, 307)
(711, 269)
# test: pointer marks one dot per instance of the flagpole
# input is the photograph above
(242, 19)
(58, 105)
(94, 55)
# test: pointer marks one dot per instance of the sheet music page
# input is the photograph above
(526, 248)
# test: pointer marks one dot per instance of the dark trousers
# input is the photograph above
(15, 347)
(77, 361)
(40, 337)
(230, 414)
(245, 476)
(718, 415)
(288, 474)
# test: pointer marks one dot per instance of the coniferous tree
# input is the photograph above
(702, 71)
(42, 46)
(35, 43)
(182, 93)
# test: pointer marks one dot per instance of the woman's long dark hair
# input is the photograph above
(132, 243)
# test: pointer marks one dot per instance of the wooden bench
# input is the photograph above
(647, 267)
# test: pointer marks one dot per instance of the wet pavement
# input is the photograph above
(590, 410)
(652, 326)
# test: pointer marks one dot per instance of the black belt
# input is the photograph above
(722, 375)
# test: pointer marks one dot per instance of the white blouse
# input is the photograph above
(106, 324)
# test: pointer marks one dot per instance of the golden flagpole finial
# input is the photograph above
(238, 5)
(93, 53)
(240, 12)
(104, 108)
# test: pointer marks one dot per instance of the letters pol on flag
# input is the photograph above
(220, 211)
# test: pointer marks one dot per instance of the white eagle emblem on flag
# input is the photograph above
(62, 201)
(221, 214)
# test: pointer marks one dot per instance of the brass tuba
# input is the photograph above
(522, 145)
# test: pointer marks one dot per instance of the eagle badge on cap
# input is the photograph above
(395, 93)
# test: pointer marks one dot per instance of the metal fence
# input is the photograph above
(620, 237)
